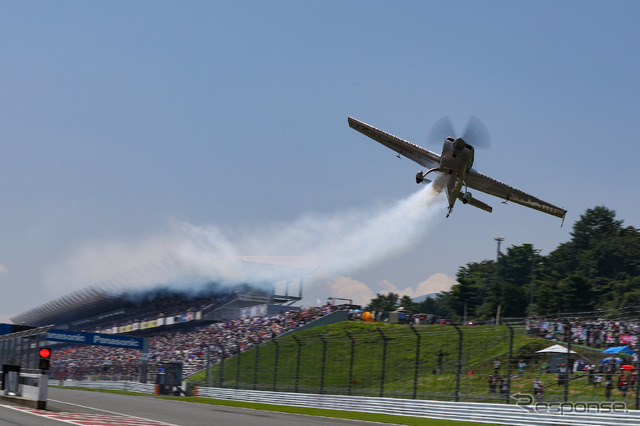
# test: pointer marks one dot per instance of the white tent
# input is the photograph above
(555, 349)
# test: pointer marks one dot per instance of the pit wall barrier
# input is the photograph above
(26, 389)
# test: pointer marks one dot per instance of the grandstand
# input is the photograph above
(94, 309)
(193, 324)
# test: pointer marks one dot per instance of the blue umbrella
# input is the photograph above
(612, 359)
(619, 349)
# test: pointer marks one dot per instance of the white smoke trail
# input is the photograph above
(189, 254)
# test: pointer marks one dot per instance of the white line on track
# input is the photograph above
(120, 415)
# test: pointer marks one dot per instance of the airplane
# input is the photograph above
(455, 165)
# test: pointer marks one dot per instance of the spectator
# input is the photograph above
(192, 347)
(538, 389)
(492, 383)
(608, 386)
(521, 366)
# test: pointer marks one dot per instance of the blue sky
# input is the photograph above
(123, 124)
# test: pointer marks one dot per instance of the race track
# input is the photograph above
(65, 406)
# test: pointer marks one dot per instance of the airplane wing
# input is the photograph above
(422, 156)
(498, 189)
(475, 180)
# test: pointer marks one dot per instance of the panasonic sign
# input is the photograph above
(95, 339)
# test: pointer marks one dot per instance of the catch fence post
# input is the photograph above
(298, 356)
(275, 367)
(221, 371)
(458, 363)
(416, 365)
(567, 367)
(351, 359)
(208, 377)
(384, 361)
(238, 369)
(255, 368)
(507, 396)
(323, 365)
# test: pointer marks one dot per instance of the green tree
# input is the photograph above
(548, 298)
(473, 288)
(384, 302)
(593, 226)
(439, 305)
(598, 268)
(409, 305)
(576, 294)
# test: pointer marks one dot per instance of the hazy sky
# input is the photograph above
(138, 136)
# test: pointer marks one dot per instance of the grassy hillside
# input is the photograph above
(364, 358)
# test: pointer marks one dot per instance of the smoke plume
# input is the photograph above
(314, 246)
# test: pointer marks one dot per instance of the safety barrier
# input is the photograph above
(119, 385)
(24, 388)
(537, 414)
(540, 414)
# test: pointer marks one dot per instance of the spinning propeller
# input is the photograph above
(475, 133)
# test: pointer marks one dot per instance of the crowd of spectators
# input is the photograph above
(598, 333)
(193, 347)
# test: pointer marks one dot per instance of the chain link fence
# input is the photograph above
(501, 363)
(508, 363)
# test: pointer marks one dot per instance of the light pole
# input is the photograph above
(498, 240)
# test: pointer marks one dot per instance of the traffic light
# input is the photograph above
(45, 357)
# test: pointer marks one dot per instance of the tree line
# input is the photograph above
(598, 268)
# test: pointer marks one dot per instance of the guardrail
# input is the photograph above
(117, 385)
(540, 414)
(552, 413)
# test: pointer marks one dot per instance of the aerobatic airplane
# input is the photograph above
(455, 164)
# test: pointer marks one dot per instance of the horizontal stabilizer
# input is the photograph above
(476, 203)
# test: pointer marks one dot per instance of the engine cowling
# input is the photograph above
(459, 144)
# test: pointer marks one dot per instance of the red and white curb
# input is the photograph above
(91, 419)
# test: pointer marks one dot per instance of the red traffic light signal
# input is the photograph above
(45, 355)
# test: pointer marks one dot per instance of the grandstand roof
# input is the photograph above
(66, 308)
(92, 300)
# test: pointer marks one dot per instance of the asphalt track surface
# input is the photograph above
(113, 409)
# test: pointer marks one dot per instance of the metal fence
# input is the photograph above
(437, 362)
(496, 364)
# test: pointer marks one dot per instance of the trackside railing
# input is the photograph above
(537, 414)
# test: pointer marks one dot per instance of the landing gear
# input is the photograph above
(466, 198)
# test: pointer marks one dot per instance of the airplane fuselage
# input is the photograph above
(455, 162)
(456, 158)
